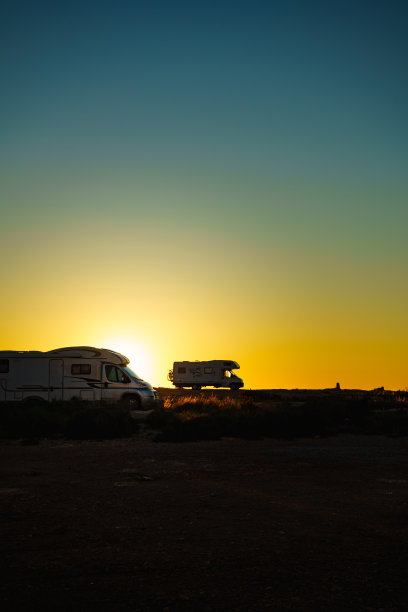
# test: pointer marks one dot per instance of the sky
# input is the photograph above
(208, 180)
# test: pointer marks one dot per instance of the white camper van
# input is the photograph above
(84, 372)
(197, 374)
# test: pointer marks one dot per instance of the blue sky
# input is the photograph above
(296, 89)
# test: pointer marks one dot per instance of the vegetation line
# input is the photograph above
(210, 416)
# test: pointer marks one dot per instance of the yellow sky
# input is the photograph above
(298, 296)
(286, 341)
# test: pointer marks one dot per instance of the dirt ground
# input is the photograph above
(131, 524)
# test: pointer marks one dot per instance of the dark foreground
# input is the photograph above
(133, 525)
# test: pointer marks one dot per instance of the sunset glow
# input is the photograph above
(194, 182)
(139, 355)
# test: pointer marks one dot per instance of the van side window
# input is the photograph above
(208, 370)
(181, 370)
(80, 368)
(114, 374)
(122, 377)
(111, 373)
(4, 366)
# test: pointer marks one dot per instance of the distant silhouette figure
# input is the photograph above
(338, 387)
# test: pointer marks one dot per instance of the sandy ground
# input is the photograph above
(239, 525)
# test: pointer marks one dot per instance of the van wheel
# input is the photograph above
(234, 387)
(35, 401)
(196, 387)
(131, 401)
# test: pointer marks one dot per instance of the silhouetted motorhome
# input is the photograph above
(197, 374)
(84, 372)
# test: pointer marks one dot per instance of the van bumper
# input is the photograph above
(149, 399)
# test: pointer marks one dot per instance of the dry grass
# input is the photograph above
(187, 417)
(209, 416)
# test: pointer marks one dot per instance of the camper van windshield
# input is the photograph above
(132, 374)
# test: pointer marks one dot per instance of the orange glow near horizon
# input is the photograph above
(138, 354)
(294, 313)
(268, 361)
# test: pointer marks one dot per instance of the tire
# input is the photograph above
(131, 401)
(234, 387)
(196, 387)
(34, 401)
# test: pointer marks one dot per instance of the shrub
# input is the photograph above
(209, 417)
(72, 419)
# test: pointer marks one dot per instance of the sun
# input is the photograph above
(138, 355)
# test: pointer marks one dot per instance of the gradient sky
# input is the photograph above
(218, 180)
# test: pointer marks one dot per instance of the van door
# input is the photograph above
(4, 369)
(56, 380)
(3, 387)
(114, 383)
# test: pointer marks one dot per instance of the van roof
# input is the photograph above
(227, 363)
(81, 352)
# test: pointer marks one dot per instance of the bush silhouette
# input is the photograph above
(210, 417)
(74, 419)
